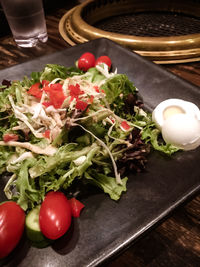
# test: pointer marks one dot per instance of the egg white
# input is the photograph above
(185, 107)
(179, 123)
(182, 131)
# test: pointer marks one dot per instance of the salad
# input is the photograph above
(67, 125)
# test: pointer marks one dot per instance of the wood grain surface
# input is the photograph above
(176, 241)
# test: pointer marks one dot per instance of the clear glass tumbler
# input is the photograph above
(26, 20)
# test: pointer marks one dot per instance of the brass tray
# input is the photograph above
(84, 23)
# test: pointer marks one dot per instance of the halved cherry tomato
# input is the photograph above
(55, 215)
(12, 219)
(103, 59)
(76, 206)
(86, 61)
(10, 137)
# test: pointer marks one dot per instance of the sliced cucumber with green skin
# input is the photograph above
(33, 229)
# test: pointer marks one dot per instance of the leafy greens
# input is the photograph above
(72, 126)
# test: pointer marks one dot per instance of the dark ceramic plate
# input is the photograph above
(107, 227)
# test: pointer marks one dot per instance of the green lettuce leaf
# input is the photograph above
(66, 177)
(26, 187)
(152, 135)
(53, 71)
(5, 155)
(106, 183)
(117, 90)
(62, 158)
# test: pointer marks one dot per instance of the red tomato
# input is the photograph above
(55, 215)
(125, 126)
(46, 134)
(81, 105)
(10, 137)
(47, 104)
(56, 94)
(35, 90)
(45, 83)
(12, 219)
(86, 61)
(75, 90)
(103, 59)
(76, 206)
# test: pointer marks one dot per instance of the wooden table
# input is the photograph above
(176, 241)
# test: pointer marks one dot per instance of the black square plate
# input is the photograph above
(105, 226)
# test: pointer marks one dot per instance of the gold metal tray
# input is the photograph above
(81, 24)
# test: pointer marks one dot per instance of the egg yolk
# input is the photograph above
(172, 110)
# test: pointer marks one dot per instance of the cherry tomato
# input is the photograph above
(86, 61)
(55, 215)
(12, 219)
(103, 59)
(10, 137)
(76, 206)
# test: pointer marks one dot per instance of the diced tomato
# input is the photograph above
(35, 90)
(46, 134)
(71, 99)
(56, 95)
(112, 119)
(46, 88)
(47, 104)
(75, 90)
(102, 91)
(56, 98)
(91, 99)
(45, 83)
(76, 206)
(53, 87)
(10, 137)
(81, 105)
(125, 126)
(56, 86)
(96, 88)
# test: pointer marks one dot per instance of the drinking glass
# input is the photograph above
(26, 20)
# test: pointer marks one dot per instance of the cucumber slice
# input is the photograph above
(33, 229)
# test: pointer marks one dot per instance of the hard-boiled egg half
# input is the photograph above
(179, 122)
